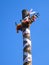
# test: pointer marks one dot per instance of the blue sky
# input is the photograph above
(11, 43)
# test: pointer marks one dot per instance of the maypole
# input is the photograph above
(24, 26)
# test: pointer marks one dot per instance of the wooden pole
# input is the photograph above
(25, 28)
(27, 56)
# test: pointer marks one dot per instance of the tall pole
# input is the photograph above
(27, 56)
(25, 28)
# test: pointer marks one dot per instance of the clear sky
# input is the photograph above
(11, 43)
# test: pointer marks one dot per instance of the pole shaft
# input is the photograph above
(27, 57)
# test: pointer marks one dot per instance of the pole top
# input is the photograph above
(25, 13)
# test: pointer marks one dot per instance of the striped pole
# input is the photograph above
(25, 28)
(27, 57)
